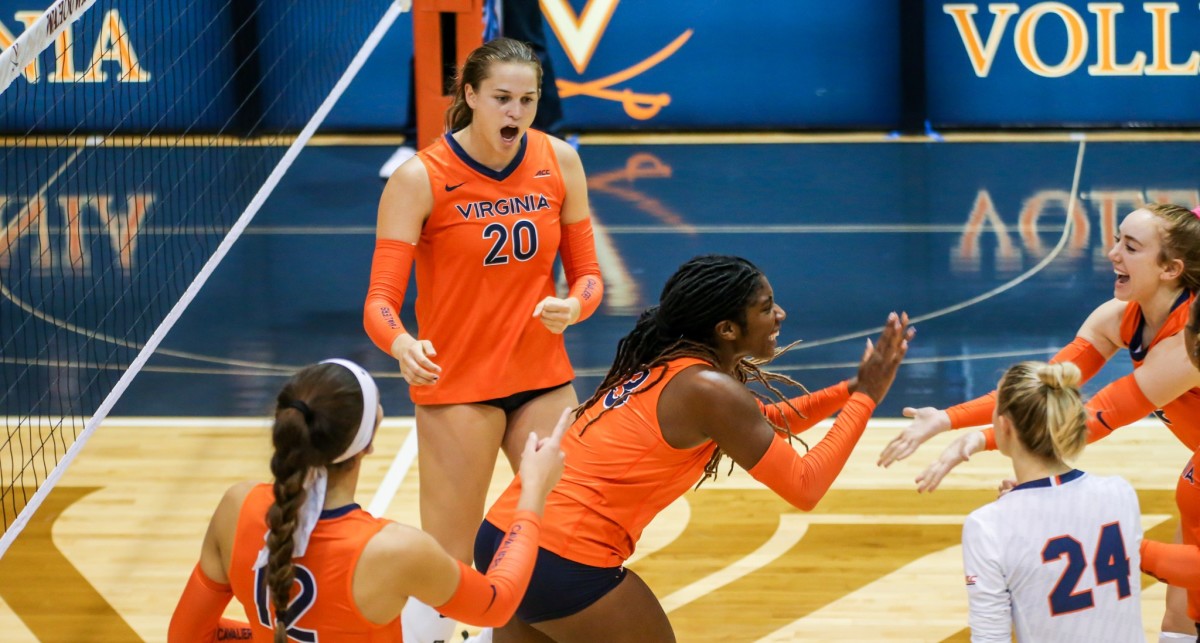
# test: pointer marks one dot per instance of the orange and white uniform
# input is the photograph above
(324, 575)
(618, 475)
(484, 260)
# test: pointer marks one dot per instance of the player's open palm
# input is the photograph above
(878, 368)
(926, 423)
(957, 452)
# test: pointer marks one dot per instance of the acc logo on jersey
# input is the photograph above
(619, 394)
(579, 35)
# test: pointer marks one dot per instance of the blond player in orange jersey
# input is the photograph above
(673, 403)
(307, 563)
(1156, 258)
(483, 212)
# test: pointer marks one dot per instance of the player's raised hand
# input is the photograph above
(880, 361)
(415, 366)
(542, 464)
(926, 423)
(957, 452)
(556, 314)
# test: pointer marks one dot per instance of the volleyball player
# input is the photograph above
(327, 567)
(1179, 564)
(1026, 553)
(674, 402)
(1156, 258)
(483, 212)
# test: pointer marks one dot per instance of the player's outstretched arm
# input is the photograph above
(957, 452)
(732, 418)
(927, 422)
(408, 562)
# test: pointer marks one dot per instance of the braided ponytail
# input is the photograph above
(316, 416)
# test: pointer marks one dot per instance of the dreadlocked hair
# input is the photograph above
(702, 293)
(316, 416)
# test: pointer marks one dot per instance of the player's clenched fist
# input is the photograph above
(556, 314)
(415, 366)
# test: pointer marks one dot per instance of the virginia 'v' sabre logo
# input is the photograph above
(580, 34)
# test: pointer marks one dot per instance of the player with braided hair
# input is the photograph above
(305, 580)
(675, 399)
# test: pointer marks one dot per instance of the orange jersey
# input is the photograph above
(324, 575)
(1181, 415)
(618, 475)
(484, 260)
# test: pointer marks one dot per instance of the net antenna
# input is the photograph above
(141, 140)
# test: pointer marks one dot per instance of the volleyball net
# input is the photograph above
(141, 137)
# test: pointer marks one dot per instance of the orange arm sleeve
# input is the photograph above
(806, 410)
(1121, 402)
(1177, 565)
(803, 480)
(578, 251)
(491, 600)
(197, 617)
(978, 411)
(390, 267)
(1117, 404)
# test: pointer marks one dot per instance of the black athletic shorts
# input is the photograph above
(510, 403)
(559, 587)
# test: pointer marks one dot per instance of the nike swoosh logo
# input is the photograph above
(1100, 418)
(451, 188)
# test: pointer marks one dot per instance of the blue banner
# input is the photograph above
(1062, 63)
(108, 72)
(716, 64)
(786, 64)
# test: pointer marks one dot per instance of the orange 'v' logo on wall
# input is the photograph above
(579, 36)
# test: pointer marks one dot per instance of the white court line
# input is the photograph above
(789, 532)
(908, 361)
(1062, 242)
(395, 475)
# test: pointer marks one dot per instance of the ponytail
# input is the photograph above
(317, 415)
(1046, 409)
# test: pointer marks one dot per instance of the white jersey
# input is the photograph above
(1057, 560)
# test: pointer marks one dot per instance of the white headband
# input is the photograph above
(370, 394)
(316, 480)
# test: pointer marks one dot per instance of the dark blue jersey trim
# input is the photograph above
(483, 169)
(338, 512)
(1135, 343)
(1050, 482)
